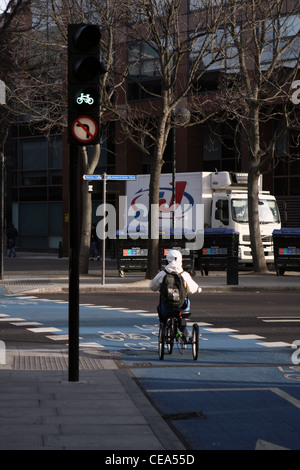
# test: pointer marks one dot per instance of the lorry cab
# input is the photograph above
(230, 210)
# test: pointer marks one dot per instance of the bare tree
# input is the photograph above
(177, 49)
(264, 45)
(10, 10)
(37, 84)
(9, 15)
(170, 50)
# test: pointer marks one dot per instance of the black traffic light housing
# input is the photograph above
(84, 71)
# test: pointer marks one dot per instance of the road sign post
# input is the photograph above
(84, 72)
(74, 265)
(103, 234)
(2, 164)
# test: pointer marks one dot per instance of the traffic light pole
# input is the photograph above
(74, 264)
(84, 70)
(103, 234)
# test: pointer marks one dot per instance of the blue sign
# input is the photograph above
(92, 177)
(121, 177)
(110, 177)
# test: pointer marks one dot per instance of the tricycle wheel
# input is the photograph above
(161, 341)
(195, 341)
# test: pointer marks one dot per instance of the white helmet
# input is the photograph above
(174, 258)
(174, 255)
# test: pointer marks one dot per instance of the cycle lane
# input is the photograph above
(132, 333)
(242, 394)
(227, 408)
(238, 395)
(233, 398)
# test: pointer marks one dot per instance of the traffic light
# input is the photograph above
(84, 71)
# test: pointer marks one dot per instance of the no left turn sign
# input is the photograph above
(84, 129)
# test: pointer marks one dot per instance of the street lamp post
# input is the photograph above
(174, 178)
(181, 116)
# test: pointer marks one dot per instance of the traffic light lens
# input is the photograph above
(87, 99)
(87, 68)
(87, 37)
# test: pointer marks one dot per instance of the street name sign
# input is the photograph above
(110, 177)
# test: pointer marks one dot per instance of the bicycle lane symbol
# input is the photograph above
(133, 340)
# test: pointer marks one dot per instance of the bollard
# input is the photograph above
(232, 270)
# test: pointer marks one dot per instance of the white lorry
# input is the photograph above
(222, 197)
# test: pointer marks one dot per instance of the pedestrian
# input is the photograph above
(94, 241)
(174, 259)
(12, 233)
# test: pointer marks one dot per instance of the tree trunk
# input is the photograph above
(153, 219)
(259, 261)
(153, 216)
(86, 225)
(257, 248)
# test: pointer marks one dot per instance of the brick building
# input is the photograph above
(37, 174)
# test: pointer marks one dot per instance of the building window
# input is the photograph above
(203, 4)
(38, 163)
(215, 53)
(287, 167)
(278, 34)
(37, 191)
(33, 154)
(143, 72)
(219, 149)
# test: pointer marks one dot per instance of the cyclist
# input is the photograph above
(174, 259)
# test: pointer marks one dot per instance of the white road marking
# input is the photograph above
(278, 344)
(148, 315)
(59, 337)
(47, 329)
(247, 336)
(220, 330)
(286, 396)
(282, 320)
(10, 319)
(237, 389)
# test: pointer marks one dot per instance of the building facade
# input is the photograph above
(37, 177)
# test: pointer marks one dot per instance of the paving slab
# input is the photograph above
(103, 410)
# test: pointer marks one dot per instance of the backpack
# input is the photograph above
(173, 291)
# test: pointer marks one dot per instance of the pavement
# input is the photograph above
(41, 409)
(35, 272)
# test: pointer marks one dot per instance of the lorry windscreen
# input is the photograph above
(268, 211)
